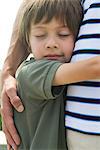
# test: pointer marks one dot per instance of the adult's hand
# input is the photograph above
(10, 99)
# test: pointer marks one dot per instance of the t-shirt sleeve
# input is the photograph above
(35, 78)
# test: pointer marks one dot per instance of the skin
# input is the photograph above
(52, 41)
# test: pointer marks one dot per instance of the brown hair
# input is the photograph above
(67, 11)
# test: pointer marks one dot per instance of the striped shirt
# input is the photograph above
(83, 99)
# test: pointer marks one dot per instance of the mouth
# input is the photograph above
(53, 57)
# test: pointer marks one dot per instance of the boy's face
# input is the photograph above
(51, 40)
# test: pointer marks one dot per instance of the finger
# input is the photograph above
(14, 99)
(9, 129)
(9, 140)
(16, 102)
(8, 123)
(9, 147)
(7, 118)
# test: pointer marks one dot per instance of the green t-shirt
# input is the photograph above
(41, 124)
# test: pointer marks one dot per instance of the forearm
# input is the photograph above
(13, 60)
(16, 52)
(79, 71)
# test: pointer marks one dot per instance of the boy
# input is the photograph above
(46, 35)
(49, 31)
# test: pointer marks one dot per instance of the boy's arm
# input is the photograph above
(79, 71)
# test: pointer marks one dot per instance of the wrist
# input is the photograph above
(5, 74)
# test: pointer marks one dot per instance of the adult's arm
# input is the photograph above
(78, 71)
(16, 54)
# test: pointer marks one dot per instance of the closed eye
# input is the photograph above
(63, 35)
(40, 36)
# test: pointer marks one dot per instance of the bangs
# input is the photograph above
(41, 10)
(48, 10)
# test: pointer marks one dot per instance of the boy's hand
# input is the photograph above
(10, 99)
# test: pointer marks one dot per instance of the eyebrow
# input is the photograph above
(42, 27)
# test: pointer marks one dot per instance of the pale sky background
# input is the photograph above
(8, 10)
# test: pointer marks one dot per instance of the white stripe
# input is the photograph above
(88, 29)
(83, 125)
(83, 108)
(96, 1)
(87, 4)
(91, 15)
(82, 91)
(87, 44)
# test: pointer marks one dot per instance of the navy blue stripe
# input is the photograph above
(85, 117)
(96, 5)
(82, 1)
(88, 36)
(83, 100)
(86, 51)
(87, 83)
(85, 11)
(90, 21)
(89, 133)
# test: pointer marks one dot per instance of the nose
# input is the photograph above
(51, 44)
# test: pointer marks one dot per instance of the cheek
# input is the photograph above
(37, 52)
(68, 48)
(36, 48)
